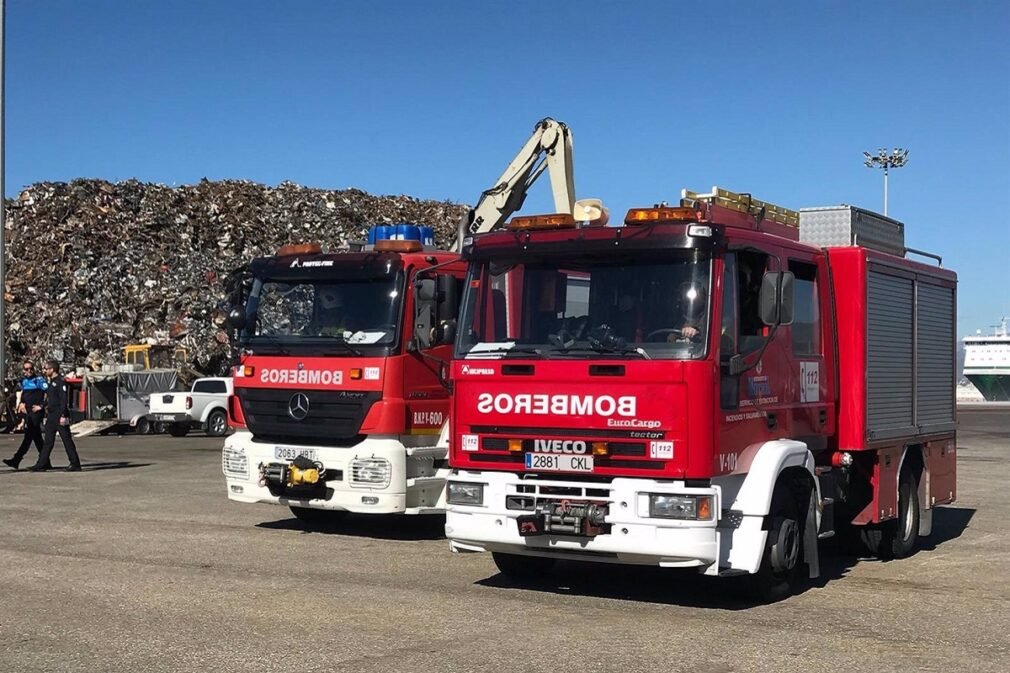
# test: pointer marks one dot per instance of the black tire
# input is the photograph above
(217, 423)
(524, 568)
(178, 429)
(900, 537)
(142, 427)
(783, 562)
(158, 428)
(317, 518)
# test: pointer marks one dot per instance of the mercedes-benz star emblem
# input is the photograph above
(298, 406)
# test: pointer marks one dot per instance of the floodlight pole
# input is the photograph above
(896, 159)
(3, 214)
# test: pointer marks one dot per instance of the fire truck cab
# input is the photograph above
(338, 393)
(706, 386)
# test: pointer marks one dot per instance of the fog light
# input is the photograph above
(464, 493)
(369, 500)
(696, 507)
(237, 489)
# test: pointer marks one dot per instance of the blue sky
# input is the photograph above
(433, 98)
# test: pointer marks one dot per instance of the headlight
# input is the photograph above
(697, 507)
(464, 493)
(234, 462)
(370, 472)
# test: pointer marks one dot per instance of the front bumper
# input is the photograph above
(416, 476)
(633, 537)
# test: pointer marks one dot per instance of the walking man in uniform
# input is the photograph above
(33, 399)
(57, 420)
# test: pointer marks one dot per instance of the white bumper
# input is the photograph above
(634, 537)
(416, 476)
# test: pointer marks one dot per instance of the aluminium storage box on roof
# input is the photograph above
(849, 225)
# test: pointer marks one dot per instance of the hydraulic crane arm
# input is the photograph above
(549, 148)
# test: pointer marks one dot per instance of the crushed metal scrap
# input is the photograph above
(95, 265)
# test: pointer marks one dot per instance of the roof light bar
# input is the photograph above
(390, 245)
(299, 249)
(554, 221)
(662, 214)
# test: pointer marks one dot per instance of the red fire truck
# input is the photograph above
(339, 393)
(716, 384)
(338, 396)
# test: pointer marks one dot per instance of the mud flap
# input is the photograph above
(810, 552)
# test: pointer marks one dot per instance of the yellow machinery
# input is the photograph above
(156, 356)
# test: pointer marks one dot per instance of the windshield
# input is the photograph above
(625, 304)
(361, 311)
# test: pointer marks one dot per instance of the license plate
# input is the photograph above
(290, 453)
(558, 462)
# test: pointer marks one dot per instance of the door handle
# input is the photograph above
(772, 421)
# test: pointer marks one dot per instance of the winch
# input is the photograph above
(564, 517)
(300, 472)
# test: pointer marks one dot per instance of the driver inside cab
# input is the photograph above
(690, 310)
(332, 318)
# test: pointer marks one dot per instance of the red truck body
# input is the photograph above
(862, 378)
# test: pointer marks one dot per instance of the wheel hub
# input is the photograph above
(785, 550)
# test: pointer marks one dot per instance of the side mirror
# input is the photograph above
(775, 300)
(237, 318)
(425, 294)
(445, 333)
(448, 298)
(786, 297)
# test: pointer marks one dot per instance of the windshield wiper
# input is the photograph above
(525, 350)
(601, 349)
(343, 345)
(617, 346)
(273, 344)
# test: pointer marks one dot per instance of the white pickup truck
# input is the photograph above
(205, 406)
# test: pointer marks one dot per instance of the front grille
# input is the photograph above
(529, 445)
(333, 415)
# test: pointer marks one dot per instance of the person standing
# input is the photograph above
(33, 399)
(57, 420)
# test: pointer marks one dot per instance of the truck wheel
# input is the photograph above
(317, 517)
(217, 423)
(781, 568)
(527, 568)
(897, 538)
(178, 429)
(158, 428)
(142, 427)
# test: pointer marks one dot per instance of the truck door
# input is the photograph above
(427, 400)
(808, 390)
(754, 405)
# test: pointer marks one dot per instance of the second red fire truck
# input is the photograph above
(716, 384)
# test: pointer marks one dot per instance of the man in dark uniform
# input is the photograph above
(57, 420)
(33, 399)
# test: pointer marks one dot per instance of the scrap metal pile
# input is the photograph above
(93, 265)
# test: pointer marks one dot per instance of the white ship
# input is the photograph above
(987, 363)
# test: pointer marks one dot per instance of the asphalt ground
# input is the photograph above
(139, 563)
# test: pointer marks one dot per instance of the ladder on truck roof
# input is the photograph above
(744, 203)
